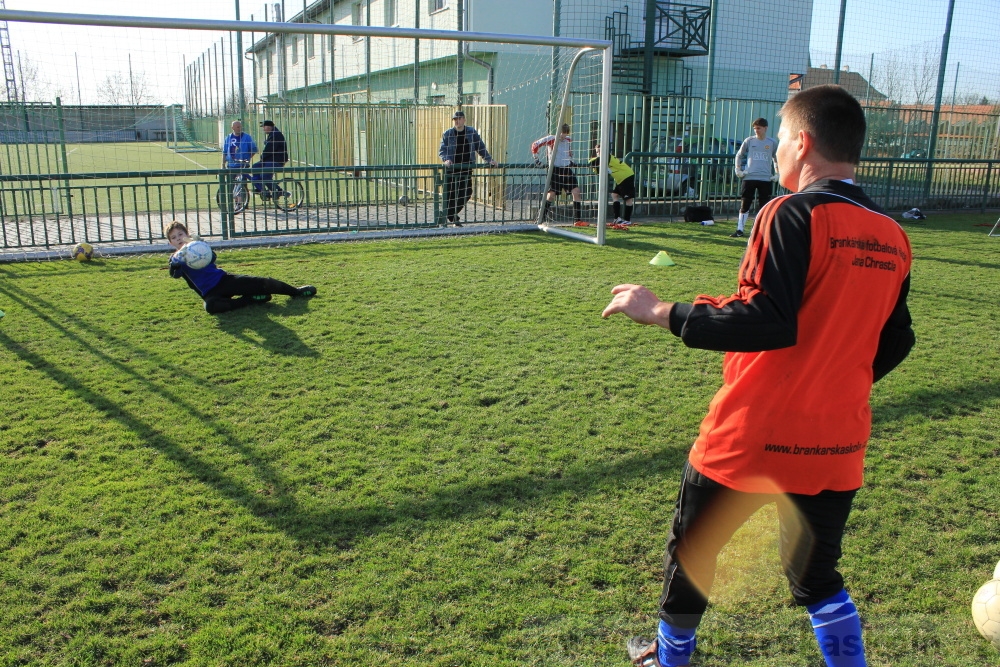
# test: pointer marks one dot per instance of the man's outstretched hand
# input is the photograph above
(640, 305)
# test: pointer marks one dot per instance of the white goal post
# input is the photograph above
(601, 82)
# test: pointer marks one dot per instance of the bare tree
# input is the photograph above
(32, 84)
(889, 76)
(129, 89)
(925, 72)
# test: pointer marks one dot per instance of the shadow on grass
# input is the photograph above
(939, 403)
(329, 526)
(270, 334)
(957, 262)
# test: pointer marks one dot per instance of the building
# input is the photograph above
(660, 49)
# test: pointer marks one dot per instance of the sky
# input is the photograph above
(907, 28)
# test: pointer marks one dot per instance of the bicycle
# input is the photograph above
(241, 190)
(287, 193)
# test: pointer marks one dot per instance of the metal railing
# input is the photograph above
(671, 181)
(44, 211)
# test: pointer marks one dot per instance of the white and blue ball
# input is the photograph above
(196, 254)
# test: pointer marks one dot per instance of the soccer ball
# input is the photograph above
(197, 254)
(986, 610)
(83, 252)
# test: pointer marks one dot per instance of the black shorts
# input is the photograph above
(625, 189)
(811, 530)
(761, 188)
(563, 178)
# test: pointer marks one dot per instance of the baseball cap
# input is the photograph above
(458, 114)
(267, 123)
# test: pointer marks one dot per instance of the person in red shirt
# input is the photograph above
(819, 314)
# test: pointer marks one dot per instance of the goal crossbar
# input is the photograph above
(293, 28)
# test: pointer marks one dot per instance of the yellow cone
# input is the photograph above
(662, 259)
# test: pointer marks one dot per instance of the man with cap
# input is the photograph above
(274, 154)
(459, 146)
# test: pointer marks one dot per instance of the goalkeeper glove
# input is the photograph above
(774, 178)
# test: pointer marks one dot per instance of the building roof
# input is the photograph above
(853, 82)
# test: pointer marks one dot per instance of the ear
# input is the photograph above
(804, 145)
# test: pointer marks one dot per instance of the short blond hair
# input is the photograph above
(176, 224)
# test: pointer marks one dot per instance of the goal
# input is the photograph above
(362, 108)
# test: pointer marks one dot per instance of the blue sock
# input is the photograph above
(675, 645)
(838, 630)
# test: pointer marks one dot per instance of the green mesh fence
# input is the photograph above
(687, 77)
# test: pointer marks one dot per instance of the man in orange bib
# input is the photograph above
(819, 314)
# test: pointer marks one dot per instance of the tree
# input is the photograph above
(890, 74)
(125, 89)
(925, 73)
(32, 86)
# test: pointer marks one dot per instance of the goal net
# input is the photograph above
(121, 124)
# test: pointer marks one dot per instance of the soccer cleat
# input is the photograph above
(261, 298)
(642, 652)
(457, 223)
(738, 233)
(618, 221)
(306, 290)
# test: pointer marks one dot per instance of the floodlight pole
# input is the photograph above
(840, 42)
(936, 118)
(239, 66)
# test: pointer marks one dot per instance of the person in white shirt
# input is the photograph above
(756, 166)
(563, 177)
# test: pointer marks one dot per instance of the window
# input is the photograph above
(268, 59)
(310, 45)
(390, 12)
(436, 99)
(436, 5)
(295, 49)
(357, 18)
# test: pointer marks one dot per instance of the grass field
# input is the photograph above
(448, 458)
(101, 158)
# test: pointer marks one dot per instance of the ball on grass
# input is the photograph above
(83, 252)
(986, 611)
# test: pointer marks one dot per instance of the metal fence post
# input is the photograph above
(986, 187)
(438, 183)
(65, 160)
(225, 200)
(888, 185)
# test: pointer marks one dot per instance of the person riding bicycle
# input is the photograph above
(274, 154)
(238, 148)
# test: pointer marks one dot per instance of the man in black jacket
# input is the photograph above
(275, 154)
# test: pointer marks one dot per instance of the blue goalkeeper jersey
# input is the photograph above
(202, 280)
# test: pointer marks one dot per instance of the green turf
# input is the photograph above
(448, 458)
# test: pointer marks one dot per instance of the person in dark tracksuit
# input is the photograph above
(274, 154)
(459, 146)
(219, 288)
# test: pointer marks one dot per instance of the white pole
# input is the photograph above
(602, 163)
